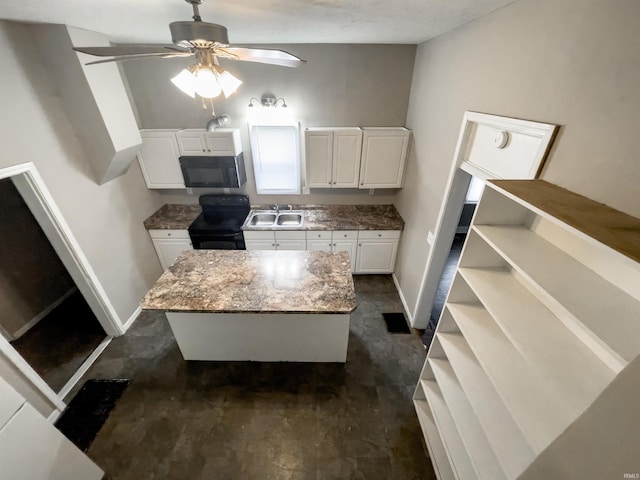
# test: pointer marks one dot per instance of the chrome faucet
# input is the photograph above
(289, 207)
(276, 207)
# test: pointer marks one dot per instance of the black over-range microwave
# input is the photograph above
(213, 172)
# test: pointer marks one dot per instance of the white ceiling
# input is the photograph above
(261, 21)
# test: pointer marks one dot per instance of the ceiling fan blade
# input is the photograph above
(273, 57)
(125, 58)
(122, 50)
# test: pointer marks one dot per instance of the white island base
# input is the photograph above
(261, 337)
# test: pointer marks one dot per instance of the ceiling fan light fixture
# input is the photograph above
(228, 82)
(206, 84)
(186, 82)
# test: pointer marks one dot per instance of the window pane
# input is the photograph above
(276, 158)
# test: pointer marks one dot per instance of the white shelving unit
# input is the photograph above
(534, 370)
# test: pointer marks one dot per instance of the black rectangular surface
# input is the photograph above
(88, 410)
(396, 323)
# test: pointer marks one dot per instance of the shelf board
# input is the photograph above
(574, 369)
(536, 407)
(509, 443)
(613, 228)
(482, 456)
(458, 456)
(437, 452)
(601, 314)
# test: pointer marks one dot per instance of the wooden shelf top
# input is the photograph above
(611, 227)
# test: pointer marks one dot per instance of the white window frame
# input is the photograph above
(256, 159)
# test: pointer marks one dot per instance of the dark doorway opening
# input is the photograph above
(45, 318)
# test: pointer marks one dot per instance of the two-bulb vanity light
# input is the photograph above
(268, 100)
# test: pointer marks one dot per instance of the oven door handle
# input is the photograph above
(217, 235)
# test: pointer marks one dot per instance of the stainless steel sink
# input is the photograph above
(266, 218)
(290, 219)
(262, 219)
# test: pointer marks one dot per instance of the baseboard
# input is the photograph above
(407, 311)
(64, 391)
(28, 326)
(131, 319)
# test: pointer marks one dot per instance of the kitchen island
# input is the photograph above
(257, 305)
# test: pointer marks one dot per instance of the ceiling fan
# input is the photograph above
(206, 42)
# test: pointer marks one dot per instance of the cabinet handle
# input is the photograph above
(345, 235)
(203, 150)
(379, 234)
(361, 183)
(168, 234)
(273, 244)
(277, 244)
(209, 150)
(319, 235)
(359, 244)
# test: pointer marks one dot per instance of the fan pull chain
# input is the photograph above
(213, 113)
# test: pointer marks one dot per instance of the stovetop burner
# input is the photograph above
(219, 226)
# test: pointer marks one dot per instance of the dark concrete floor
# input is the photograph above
(245, 420)
(58, 344)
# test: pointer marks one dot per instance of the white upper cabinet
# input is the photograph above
(347, 147)
(333, 157)
(221, 142)
(319, 153)
(158, 158)
(384, 154)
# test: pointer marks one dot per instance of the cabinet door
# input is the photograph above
(158, 159)
(346, 241)
(291, 240)
(260, 244)
(168, 249)
(291, 244)
(223, 142)
(377, 251)
(347, 147)
(319, 241)
(169, 244)
(318, 147)
(384, 152)
(191, 142)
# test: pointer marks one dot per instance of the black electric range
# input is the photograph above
(219, 224)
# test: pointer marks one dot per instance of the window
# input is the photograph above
(276, 158)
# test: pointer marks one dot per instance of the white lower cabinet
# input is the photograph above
(334, 241)
(376, 252)
(275, 240)
(533, 370)
(169, 244)
(370, 251)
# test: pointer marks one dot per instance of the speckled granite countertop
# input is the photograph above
(242, 281)
(342, 217)
(316, 217)
(173, 217)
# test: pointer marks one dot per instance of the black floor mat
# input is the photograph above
(396, 323)
(88, 410)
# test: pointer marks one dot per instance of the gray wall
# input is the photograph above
(106, 220)
(32, 276)
(575, 63)
(341, 85)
